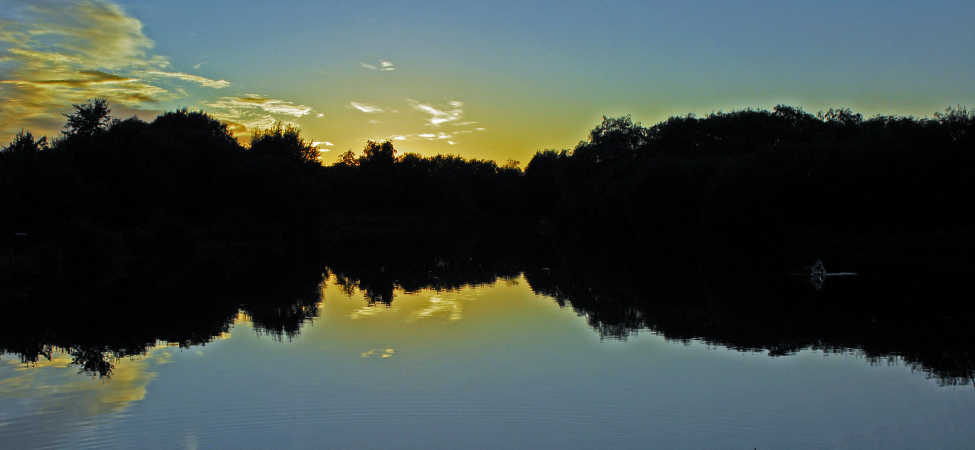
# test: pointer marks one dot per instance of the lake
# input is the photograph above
(511, 360)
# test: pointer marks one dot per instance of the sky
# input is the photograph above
(496, 80)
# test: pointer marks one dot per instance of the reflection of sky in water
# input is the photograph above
(480, 367)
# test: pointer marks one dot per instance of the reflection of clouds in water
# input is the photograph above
(439, 305)
(54, 387)
(367, 311)
(381, 353)
(190, 442)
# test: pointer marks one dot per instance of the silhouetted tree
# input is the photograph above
(348, 159)
(378, 155)
(285, 142)
(88, 119)
(24, 143)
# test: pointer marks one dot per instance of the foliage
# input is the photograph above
(88, 119)
(283, 142)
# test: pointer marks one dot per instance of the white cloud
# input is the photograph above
(440, 116)
(260, 102)
(202, 81)
(383, 66)
(253, 111)
(320, 115)
(198, 65)
(366, 108)
(318, 145)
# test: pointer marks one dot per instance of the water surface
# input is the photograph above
(494, 365)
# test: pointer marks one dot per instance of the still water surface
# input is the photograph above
(492, 366)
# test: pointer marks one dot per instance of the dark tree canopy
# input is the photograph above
(24, 142)
(88, 119)
(284, 142)
(377, 154)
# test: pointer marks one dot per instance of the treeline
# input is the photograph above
(763, 178)
(113, 199)
(763, 181)
(381, 182)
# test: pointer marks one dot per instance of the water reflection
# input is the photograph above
(489, 346)
(875, 314)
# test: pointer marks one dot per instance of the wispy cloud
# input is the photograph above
(440, 115)
(262, 103)
(366, 108)
(202, 81)
(253, 111)
(383, 66)
(450, 138)
(198, 65)
(58, 53)
(54, 53)
(320, 145)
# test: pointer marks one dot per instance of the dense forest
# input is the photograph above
(110, 199)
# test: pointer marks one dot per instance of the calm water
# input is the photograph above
(491, 366)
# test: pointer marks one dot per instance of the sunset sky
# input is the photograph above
(494, 80)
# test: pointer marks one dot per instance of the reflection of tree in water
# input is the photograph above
(101, 325)
(685, 301)
(412, 263)
(876, 317)
(916, 322)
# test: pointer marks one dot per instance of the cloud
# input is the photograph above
(366, 108)
(57, 53)
(198, 65)
(439, 116)
(202, 81)
(54, 53)
(318, 144)
(252, 111)
(383, 66)
(252, 102)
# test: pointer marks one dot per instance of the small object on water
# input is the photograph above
(817, 274)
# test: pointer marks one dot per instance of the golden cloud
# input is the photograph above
(62, 53)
